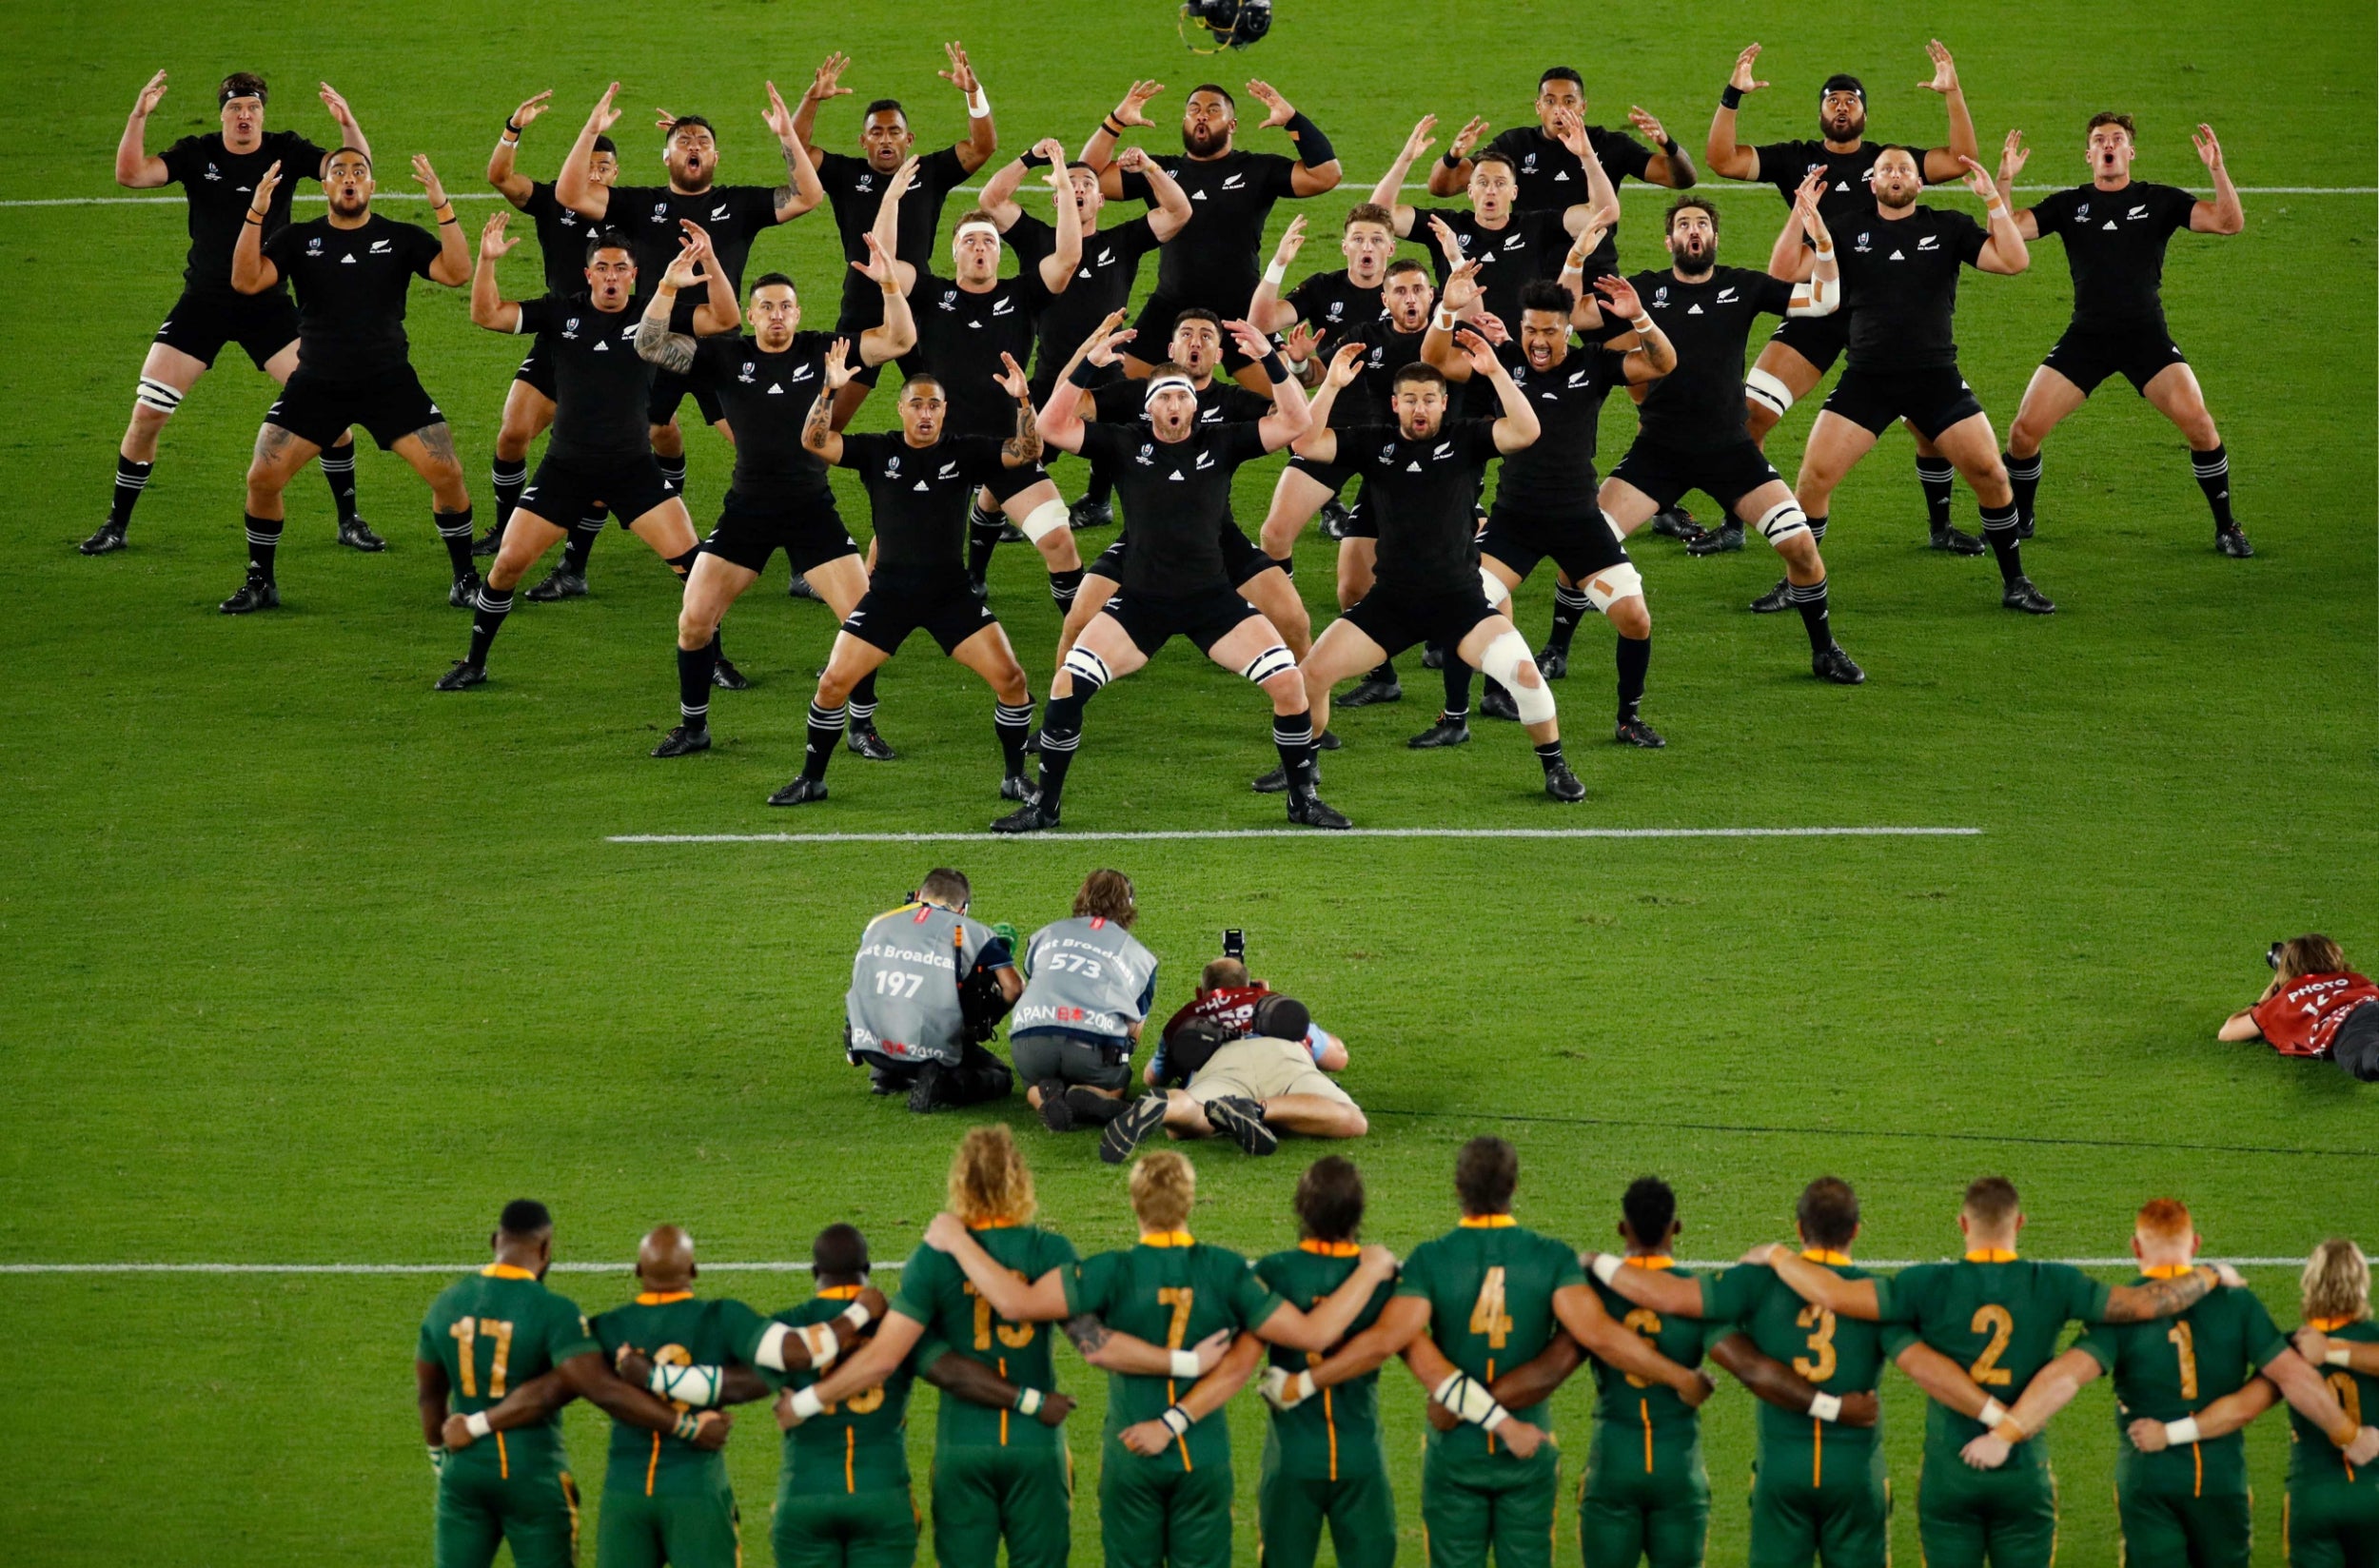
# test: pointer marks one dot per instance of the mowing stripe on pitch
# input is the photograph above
(710, 1267)
(1307, 833)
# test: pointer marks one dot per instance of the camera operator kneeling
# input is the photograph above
(2314, 1007)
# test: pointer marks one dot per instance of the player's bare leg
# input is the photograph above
(1974, 450)
(526, 416)
(2176, 395)
(278, 457)
(1496, 648)
(1102, 655)
(430, 452)
(852, 660)
(1255, 650)
(988, 654)
(1297, 497)
(2050, 399)
(1934, 475)
(666, 529)
(711, 587)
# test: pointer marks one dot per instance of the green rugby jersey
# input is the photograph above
(493, 1331)
(2176, 1367)
(672, 1328)
(1173, 1291)
(1997, 1317)
(1625, 1400)
(935, 1292)
(1336, 1433)
(1489, 1282)
(1835, 1355)
(2311, 1456)
(859, 1444)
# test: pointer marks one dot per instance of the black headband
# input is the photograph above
(1841, 84)
(227, 92)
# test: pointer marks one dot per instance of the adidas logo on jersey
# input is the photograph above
(922, 485)
(347, 260)
(1175, 475)
(1561, 177)
(2110, 224)
(1413, 467)
(1694, 311)
(601, 348)
(775, 391)
(1897, 256)
(1197, 195)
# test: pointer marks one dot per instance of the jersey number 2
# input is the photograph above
(1987, 1372)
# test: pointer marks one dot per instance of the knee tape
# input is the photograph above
(1782, 521)
(1274, 660)
(1493, 587)
(1504, 658)
(1766, 389)
(1613, 583)
(1088, 669)
(157, 394)
(1043, 521)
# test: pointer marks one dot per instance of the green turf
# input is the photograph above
(301, 963)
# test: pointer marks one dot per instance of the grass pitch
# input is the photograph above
(304, 964)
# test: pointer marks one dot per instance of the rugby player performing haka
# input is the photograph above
(1175, 481)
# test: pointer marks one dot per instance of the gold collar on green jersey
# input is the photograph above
(839, 1292)
(505, 1271)
(2329, 1325)
(662, 1297)
(1487, 1222)
(1329, 1249)
(2165, 1272)
(1827, 1255)
(1165, 1238)
(1658, 1262)
(1992, 1255)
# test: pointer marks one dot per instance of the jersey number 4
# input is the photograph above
(1487, 1317)
(466, 1332)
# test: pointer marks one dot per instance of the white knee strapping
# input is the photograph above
(1504, 658)
(1493, 587)
(1272, 661)
(1613, 583)
(1764, 388)
(1782, 520)
(1043, 521)
(157, 394)
(1087, 668)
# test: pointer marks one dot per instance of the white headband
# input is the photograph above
(965, 229)
(1166, 383)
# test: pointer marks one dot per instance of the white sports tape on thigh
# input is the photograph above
(1764, 388)
(1274, 660)
(1085, 667)
(1782, 520)
(1493, 587)
(1043, 521)
(1504, 658)
(1613, 583)
(157, 394)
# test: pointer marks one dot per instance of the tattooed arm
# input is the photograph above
(1023, 449)
(801, 190)
(818, 436)
(2160, 1298)
(653, 340)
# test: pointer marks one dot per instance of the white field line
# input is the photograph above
(1624, 190)
(788, 1267)
(1061, 838)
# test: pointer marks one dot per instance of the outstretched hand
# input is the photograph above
(1619, 297)
(1480, 352)
(877, 269)
(1978, 180)
(1276, 107)
(1742, 81)
(1345, 364)
(961, 72)
(1467, 137)
(1254, 344)
(1420, 141)
(1646, 123)
(604, 115)
(531, 106)
(492, 242)
(827, 81)
(427, 178)
(2013, 155)
(1944, 69)
(1011, 379)
(838, 374)
(1133, 109)
(266, 184)
(2208, 147)
(151, 96)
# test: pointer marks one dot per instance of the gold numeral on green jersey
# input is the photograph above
(1014, 1335)
(2185, 1343)
(466, 1332)
(1820, 1363)
(1645, 1325)
(1487, 1317)
(1995, 1320)
(1180, 1298)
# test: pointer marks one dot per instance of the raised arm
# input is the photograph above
(1601, 196)
(489, 308)
(1722, 152)
(2004, 251)
(1581, 1312)
(1320, 442)
(1773, 1382)
(1450, 175)
(517, 188)
(1270, 312)
(899, 332)
(1819, 1285)
(998, 195)
(825, 83)
(982, 137)
(1388, 192)
(1021, 450)
(1057, 268)
(1670, 166)
(1317, 167)
(1944, 163)
(350, 133)
(452, 264)
(2224, 214)
(801, 190)
(1099, 151)
(572, 188)
(1323, 1327)
(1517, 429)
(1060, 420)
(2013, 155)
(818, 436)
(1654, 356)
(252, 272)
(720, 311)
(1290, 416)
(1436, 345)
(136, 170)
(1173, 211)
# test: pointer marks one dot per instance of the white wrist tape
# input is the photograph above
(477, 1423)
(1184, 1364)
(1445, 320)
(1029, 1402)
(819, 1339)
(1177, 1420)
(694, 1385)
(1606, 1267)
(857, 1316)
(979, 107)
(1825, 1407)
(2338, 1356)
(1642, 324)
(2180, 1434)
(806, 1403)
(1275, 274)
(1297, 1390)
(1993, 1413)
(1468, 1399)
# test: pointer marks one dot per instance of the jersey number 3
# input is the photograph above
(1820, 1363)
